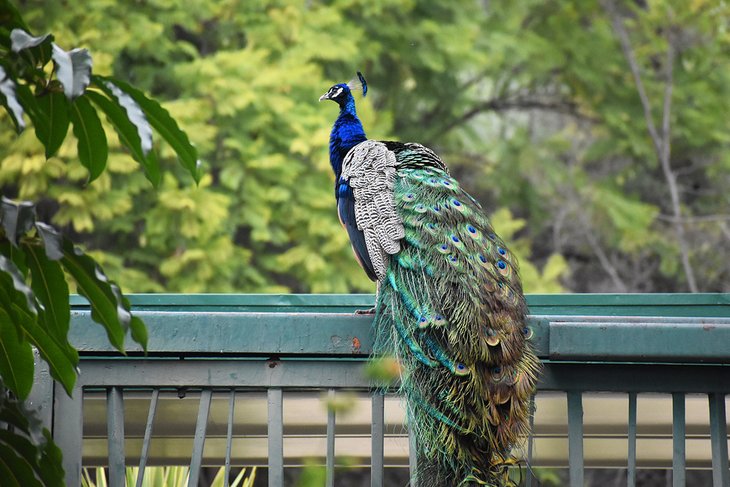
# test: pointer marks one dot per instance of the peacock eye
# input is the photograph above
(455, 238)
(471, 229)
(501, 251)
(483, 259)
(501, 264)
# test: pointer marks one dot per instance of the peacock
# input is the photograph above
(449, 304)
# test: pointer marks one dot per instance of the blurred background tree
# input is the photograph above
(595, 133)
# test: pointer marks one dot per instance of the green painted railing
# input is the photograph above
(214, 348)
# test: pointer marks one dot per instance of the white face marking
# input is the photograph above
(337, 93)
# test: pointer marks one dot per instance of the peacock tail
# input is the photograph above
(449, 307)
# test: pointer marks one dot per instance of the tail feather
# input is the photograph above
(451, 310)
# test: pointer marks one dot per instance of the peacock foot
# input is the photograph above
(370, 311)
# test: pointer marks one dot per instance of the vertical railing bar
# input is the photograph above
(199, 442)
(412, 456)
(147, 436)
(68, 423)
(575, 438)
(530, 442)
(718, 438)
(330, 439)
(115, 436)
(631, 473)
(377, 437)
(229, 435)
(276, 437)
(678, 435)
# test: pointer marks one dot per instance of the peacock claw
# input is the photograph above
(370, 311)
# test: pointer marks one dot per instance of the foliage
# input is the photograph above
(531, 103)
(54, 88)
(175, 476)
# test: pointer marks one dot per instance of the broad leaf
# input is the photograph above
(28, 440)
(134, 113)
(38, 116)
(17, 218)
(22, 40)
(50, 288)
(14, 109)
(107, 306)
(11, 18)
(53, 108)
(139, 332)
(36, 50)
(52, 240)
(62, 358)
(73, 69)
(129, 134)
(16, 358)
(92, 145)
(165, 125)
(9, 270)
(19, 472)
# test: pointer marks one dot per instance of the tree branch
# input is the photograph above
(519, 104)
(662, 142)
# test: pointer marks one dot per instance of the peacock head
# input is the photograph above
(341, 92)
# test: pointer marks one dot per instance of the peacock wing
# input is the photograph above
(369, 169)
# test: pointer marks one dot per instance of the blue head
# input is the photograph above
(347, 130)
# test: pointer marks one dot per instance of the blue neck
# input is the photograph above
(347, 132)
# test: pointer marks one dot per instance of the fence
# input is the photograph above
(226, 366)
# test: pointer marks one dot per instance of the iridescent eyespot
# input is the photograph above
(420, 208)
(444, 249)
(446, 183)
(456, 202)
(471, 229)
(455, 238)
(501, 251)
(492, 236)
(501, 264)
(527, 331)
(482, 259)
(453, 258)
(437, 207)
(461, 369)
(409, 197)
(497, 370)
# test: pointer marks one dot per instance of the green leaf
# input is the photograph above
(50, 288)
(17, 280)
(62, 358)
(16, 358)
(165, 125)
(52, 240)
(10, 17)
(129, 134)
(139, 332)
(107, 307)
(30, 441)
(92, 146)
(34, 50)
(17, 218)
(134, 113)
(14, 109)
(73, 70)
(55, 119)
(38, 116)
(51, 462)
(22, 40)
(20, 471)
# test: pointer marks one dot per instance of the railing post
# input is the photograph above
(377, 437)
(718, 432)
(115, 436)
(68, 430)
(678, 440)
(276, 437)
(575, 438)
(201, 427)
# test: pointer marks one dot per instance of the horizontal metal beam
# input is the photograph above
(594, 338)
(640, 339)
(325, 373)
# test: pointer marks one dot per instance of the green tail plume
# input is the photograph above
(451, 310)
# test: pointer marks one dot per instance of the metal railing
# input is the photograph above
(229, 352)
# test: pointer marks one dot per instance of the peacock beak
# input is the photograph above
(325, 96)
